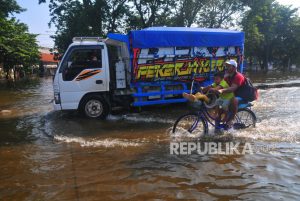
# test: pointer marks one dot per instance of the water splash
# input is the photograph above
(147, 119)
(98, 142)
(139, 118)
(181, 134)
(270, 130)
(277, 110)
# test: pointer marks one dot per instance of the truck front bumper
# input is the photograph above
(56, 106)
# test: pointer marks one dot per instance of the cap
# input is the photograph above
(231, 62)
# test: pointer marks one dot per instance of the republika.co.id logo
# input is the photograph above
(212, 148)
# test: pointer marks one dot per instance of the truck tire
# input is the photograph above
(94, 107)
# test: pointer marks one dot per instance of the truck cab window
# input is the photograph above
(81, 59)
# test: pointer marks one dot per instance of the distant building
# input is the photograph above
(48, 64)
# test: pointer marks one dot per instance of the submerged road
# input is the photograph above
(48, 155)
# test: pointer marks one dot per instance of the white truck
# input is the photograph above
(145, 67)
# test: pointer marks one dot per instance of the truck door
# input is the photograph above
(84, 69)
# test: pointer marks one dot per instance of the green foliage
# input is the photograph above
(76, 18)
(98, 17)
(85, 18)
(221, 14)
(272, 33)
(17, 46)
(146, 13)
(9, 7)
(187, 12)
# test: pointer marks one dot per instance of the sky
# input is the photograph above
(37, 17)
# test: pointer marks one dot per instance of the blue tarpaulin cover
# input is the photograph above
(183, 36)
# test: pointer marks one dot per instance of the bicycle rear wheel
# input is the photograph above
(244, 118)
(190, 123)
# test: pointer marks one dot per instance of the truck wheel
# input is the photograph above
(94, 107)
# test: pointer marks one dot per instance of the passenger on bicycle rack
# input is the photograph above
(222, 103)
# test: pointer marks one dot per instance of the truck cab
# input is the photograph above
(84, 79)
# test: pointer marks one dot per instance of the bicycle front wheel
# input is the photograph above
(190, 124)
(245, 118)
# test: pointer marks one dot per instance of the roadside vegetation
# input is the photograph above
(272, 31)
(18, 48)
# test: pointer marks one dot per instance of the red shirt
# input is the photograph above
(238, 79)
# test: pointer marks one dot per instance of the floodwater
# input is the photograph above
(50, 155)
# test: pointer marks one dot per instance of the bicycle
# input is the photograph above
(195, 122)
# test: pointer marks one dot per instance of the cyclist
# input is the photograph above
(234, 80)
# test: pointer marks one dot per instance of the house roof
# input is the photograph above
(45, 57)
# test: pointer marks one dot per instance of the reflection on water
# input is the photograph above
(49, 155)
(271, 77)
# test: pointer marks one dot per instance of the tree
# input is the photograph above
(8, 7)
(146, 13)
(271, 32)
(286, 46)
(117, 15)
(17, 46)
(85, 18)
(221, 14)
(294, 41)
(98, 17)
(75, 18)
(187, 12)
